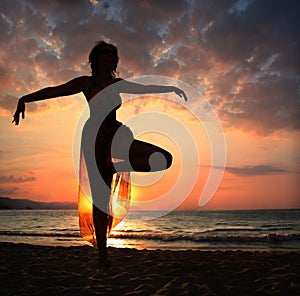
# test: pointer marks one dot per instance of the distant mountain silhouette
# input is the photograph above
(22, 204)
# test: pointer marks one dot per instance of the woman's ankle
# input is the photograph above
(103, 253)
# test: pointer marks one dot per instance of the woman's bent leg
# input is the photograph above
(144, 157)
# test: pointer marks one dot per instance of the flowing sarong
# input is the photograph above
(114, 200)
(118, 203)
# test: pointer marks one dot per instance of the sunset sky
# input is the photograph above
(242, 55)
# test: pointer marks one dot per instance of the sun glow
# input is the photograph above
(85, 204)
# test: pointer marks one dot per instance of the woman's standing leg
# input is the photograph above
(102, 199)
(101, 221)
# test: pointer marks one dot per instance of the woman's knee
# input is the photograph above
(169, 158)
(160, 160)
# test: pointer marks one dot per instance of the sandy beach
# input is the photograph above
(44, 270)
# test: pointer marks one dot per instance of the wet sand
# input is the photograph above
(42, 270)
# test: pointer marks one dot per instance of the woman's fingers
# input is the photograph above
(20, 109)
(181, 93)
(16, 119)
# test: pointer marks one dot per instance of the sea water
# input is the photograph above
(179, 230)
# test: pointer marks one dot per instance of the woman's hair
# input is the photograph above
(94, 55)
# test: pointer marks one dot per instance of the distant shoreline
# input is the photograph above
(7, 203)
(40, 209)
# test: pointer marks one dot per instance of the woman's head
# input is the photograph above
(104, 56)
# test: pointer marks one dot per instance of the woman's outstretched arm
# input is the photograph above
(125, 86)
(72, 87)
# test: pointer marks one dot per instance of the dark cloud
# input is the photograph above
(268, 105)
(143, 15)
(260, 43)
(257, 170)
(246, 53)
(167, 68)
(263, 28)
(12, 179)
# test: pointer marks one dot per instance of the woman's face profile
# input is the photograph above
(107, 58)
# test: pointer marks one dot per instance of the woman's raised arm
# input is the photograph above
(136, 88)
(71, 87)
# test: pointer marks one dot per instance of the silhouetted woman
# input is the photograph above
(98, 151)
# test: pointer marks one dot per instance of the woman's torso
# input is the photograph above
(103, 100)
(103, 104)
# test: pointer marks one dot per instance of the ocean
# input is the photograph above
(262, 230)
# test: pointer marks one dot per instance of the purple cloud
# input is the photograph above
(257, 170)
(12, 179)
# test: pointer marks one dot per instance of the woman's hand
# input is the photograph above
(180, 93)
(20, 109)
